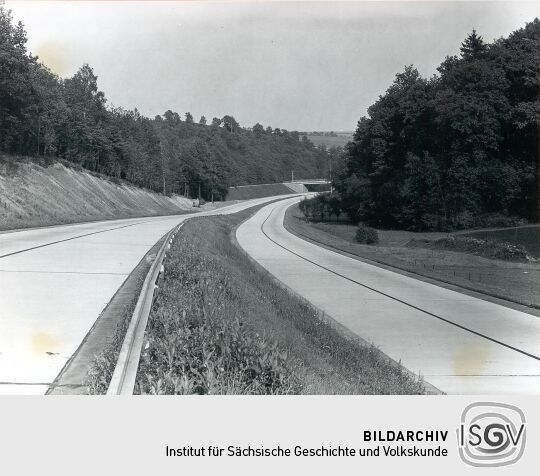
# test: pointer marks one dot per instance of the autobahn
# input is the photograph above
(458, 343)
(55, 282)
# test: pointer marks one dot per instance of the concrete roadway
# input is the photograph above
(460, 344)
(54, 283)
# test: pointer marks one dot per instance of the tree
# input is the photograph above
(17, 97)
(258, 130)
(454, 150)
(230, 124)
(42, 114)
(84, 139)
(473, 46)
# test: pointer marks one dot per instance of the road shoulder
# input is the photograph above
(72, 379)
(291, 226)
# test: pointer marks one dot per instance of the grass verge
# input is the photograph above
(511, 281)
(222, 325)
(119, 310)
(491, 249)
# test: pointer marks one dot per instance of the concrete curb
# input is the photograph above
(127, 365)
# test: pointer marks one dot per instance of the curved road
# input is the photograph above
(458, 343)
(54, 283)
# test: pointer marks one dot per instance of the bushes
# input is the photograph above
(466, 220)
(497, 220)
(321, 206)
(366, 235)
(197, 342)
(493, 249)
(325, 205)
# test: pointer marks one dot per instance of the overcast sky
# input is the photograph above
(303, 66)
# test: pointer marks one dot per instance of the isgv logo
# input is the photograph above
(491, 434)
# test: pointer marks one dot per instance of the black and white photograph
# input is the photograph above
(303, 233)
(266, 198)
(272, 198)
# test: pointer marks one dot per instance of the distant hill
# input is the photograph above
(247, 192)
(329, 139)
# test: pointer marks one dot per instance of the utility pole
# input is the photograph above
(331, 174)
(162, 164)
(292, 176)
(39, 117)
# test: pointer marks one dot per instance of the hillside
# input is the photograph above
(336, 139)
(43, 115)
(34, 195)
(247, 192)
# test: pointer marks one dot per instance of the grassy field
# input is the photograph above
(222, 325)
(331, 141)
(247, 192)
(512, 281)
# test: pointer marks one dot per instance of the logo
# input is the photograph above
(491, 434)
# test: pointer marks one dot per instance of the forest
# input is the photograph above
(43, 115)
(458, 150)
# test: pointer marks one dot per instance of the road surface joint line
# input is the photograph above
(491, 339)
(72, 238)
(480, 375)
(60, 272)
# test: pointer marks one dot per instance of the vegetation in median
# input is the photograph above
(102, 367)
(222, 325)
(197, 340)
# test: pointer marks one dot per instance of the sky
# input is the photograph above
(299, 66)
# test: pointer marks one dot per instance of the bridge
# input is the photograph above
(246, 192)
(308, 185)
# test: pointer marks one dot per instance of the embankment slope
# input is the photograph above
(33, 195)
(247, 192)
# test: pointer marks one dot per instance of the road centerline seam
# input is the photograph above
(479, 334)
(61, 272)
(72, 238)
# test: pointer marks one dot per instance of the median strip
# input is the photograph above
(221, 325)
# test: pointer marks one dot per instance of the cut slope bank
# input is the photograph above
(33, 195)
(247, 192)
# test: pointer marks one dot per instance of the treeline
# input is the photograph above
(42, 114)
(458, 150)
